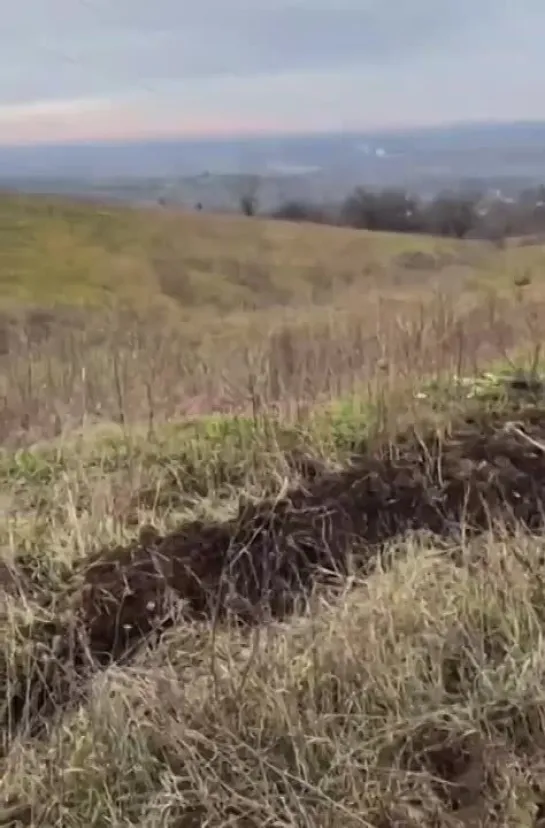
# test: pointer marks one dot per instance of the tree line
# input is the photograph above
(453, 214)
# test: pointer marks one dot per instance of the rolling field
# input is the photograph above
(74, 253)
(270, 519)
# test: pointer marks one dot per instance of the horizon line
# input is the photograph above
(257, 133)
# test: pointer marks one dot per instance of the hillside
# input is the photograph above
(60, 251)
(271, 515)
(128, 314)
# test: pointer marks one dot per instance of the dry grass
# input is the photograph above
(137, 317)
(414, 699)
(412, 696)
(255, 315)
(54, 251)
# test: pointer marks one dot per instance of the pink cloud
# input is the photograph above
(103, 119)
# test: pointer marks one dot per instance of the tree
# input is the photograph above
(248, 205)
(393, 210)
(452, 215)
(246, 189)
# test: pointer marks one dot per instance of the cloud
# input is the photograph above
(100, 46)
(126, 117)
(51, 109)
(214, 64)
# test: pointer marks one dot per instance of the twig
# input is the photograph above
(514, 429)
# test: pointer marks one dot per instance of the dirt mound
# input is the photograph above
(268, 556)
(271, 552)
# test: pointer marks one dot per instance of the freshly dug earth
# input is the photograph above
(270, 554)
(264, 560)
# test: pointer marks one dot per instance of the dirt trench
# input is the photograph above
(271, 552)
(267, 557)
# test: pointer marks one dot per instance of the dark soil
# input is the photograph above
(271, 553)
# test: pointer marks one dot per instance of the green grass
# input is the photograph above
(182, 462)
(191, 458)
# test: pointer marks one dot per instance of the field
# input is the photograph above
(271, 502)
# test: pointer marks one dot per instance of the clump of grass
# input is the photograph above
(415, 698)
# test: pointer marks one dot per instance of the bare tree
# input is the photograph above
(246, 189)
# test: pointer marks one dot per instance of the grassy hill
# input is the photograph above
(270, 524)
(130, 315)
(57, 251)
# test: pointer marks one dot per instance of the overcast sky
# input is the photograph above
(85, 69)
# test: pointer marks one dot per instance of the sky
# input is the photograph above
(79, 70)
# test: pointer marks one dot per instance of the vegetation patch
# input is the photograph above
(266, 559)
(276, 566)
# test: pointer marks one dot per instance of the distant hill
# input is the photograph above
(510, 156)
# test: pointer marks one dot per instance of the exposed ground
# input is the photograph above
(318, 599)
